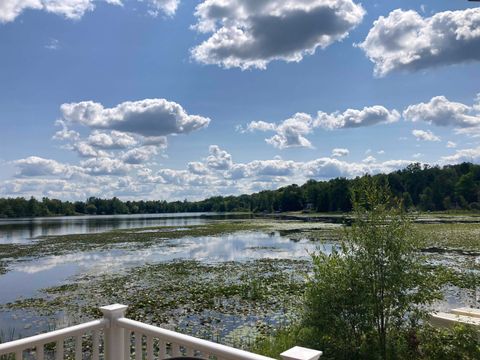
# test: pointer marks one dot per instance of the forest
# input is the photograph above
(421, 187)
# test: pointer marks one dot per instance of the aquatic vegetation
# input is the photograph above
(463, 236)
(208, 300)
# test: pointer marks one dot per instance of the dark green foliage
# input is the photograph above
(424, 188)
(368, 299)
(363, 299)
(459, 343)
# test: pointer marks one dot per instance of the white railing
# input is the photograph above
(58, 337)
(122, 335)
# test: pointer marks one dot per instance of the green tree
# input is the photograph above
(363, 297)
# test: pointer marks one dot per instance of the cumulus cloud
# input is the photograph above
(327, 168)
(339, 152)
(250, 34)
(105, 166)
(404, 40)
(464, 155)
(127, 175)
(65, 133)
(149, 117)
(84, 149)
(451, 145)
(139, 155)
(291, 132)
(443, 112)
(197, 168)
(425, 135)
(74, 9)
(70, 9)
(352, 118)
(167, 7)
(218, 159)
(112, 140)
(37, 166)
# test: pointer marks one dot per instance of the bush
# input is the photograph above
(367, 299)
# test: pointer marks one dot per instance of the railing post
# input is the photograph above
(114, 335)
(301, 353)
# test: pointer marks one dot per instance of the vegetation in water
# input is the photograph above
(57, 245)
(210, 301)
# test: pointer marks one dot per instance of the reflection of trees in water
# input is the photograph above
(16, 231)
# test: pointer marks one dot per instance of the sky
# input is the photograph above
(186, 99)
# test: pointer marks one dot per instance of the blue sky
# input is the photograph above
(183, 99)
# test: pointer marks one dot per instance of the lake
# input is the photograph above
(23, 230)
(27, 276)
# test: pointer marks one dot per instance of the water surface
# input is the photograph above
(23, 230)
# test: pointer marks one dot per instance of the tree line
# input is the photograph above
(423, 188)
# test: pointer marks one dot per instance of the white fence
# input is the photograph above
(121, 339)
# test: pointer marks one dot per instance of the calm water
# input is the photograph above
(27, 277)
(24, 229)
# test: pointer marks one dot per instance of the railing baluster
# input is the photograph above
(19, 355)
(78, 347)
(138, 346)
(96, 345)
(127, 343)
(162, 349)
(149, 347)
(39, 352)
(59, 350)
(176, 350)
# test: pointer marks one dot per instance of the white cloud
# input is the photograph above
(425, 135)
(369, 160)
(10, 9)
(160, 141)
(74, 9)
(167, 7)
(352, 118)
(139, 155)
(291, 132)
(443, 112)
(261, 126)
(65, 133)
(128, 177)
(149, 117)
(218, 159)
(339, 152)
(37, 166)
(250, 34)
(86, 150)
(464, 155)
(105, 166)
(197, 168)
(271, 167)
(70, 9)
(112, 140)
(404, 40)
(451, 145)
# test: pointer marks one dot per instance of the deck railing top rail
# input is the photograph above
(148, 342)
